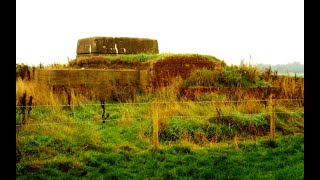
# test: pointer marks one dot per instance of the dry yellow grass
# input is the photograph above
(41, 93)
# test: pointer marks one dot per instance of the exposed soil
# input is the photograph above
(165, 69)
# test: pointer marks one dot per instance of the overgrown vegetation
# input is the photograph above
(114, 61)
(230, 76)
(132, 61)
(221, 133)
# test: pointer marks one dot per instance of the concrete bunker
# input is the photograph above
(100, 45)
(92, 71)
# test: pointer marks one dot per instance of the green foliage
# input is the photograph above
(243, 75)
(175, 128)
(227, 127)
(194, 141)
(231, 76)
(131, 61)
(210, 57)
(228, 76)
(182, 149)
(202, 77)
(270, 143)
(261, 83)
(249, 72)
(282, 158)
(141, 57)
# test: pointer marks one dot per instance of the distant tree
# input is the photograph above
(294, 67)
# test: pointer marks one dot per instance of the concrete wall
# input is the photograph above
(92, 77)
(116, 45)
(159, 73)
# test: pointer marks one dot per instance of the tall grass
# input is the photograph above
(209, 137)
(41, 93)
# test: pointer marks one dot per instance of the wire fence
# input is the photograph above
(165, 102)
(161, 117)
(149, 117)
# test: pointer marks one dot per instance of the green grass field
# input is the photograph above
(274, 159)
(222, 134)
(71, 144)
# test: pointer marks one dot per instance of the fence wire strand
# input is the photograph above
(148, 117)
(164, 102)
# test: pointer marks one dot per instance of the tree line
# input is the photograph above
(294, 67)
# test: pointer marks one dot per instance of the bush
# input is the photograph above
(203, 77)
(243, 75)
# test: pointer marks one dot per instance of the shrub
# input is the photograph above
(243, 75)
(203, 77)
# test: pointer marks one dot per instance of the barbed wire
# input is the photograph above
(161, 117)
(166, 102)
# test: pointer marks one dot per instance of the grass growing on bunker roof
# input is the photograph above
(127, 60)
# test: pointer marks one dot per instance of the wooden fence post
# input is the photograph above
(272, 116)
(155, 123)
(23, 104)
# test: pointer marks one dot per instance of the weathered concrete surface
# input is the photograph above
(152, 75)
(93, 77)
(116, 45)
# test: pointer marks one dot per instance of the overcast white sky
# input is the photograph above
(271, 31)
